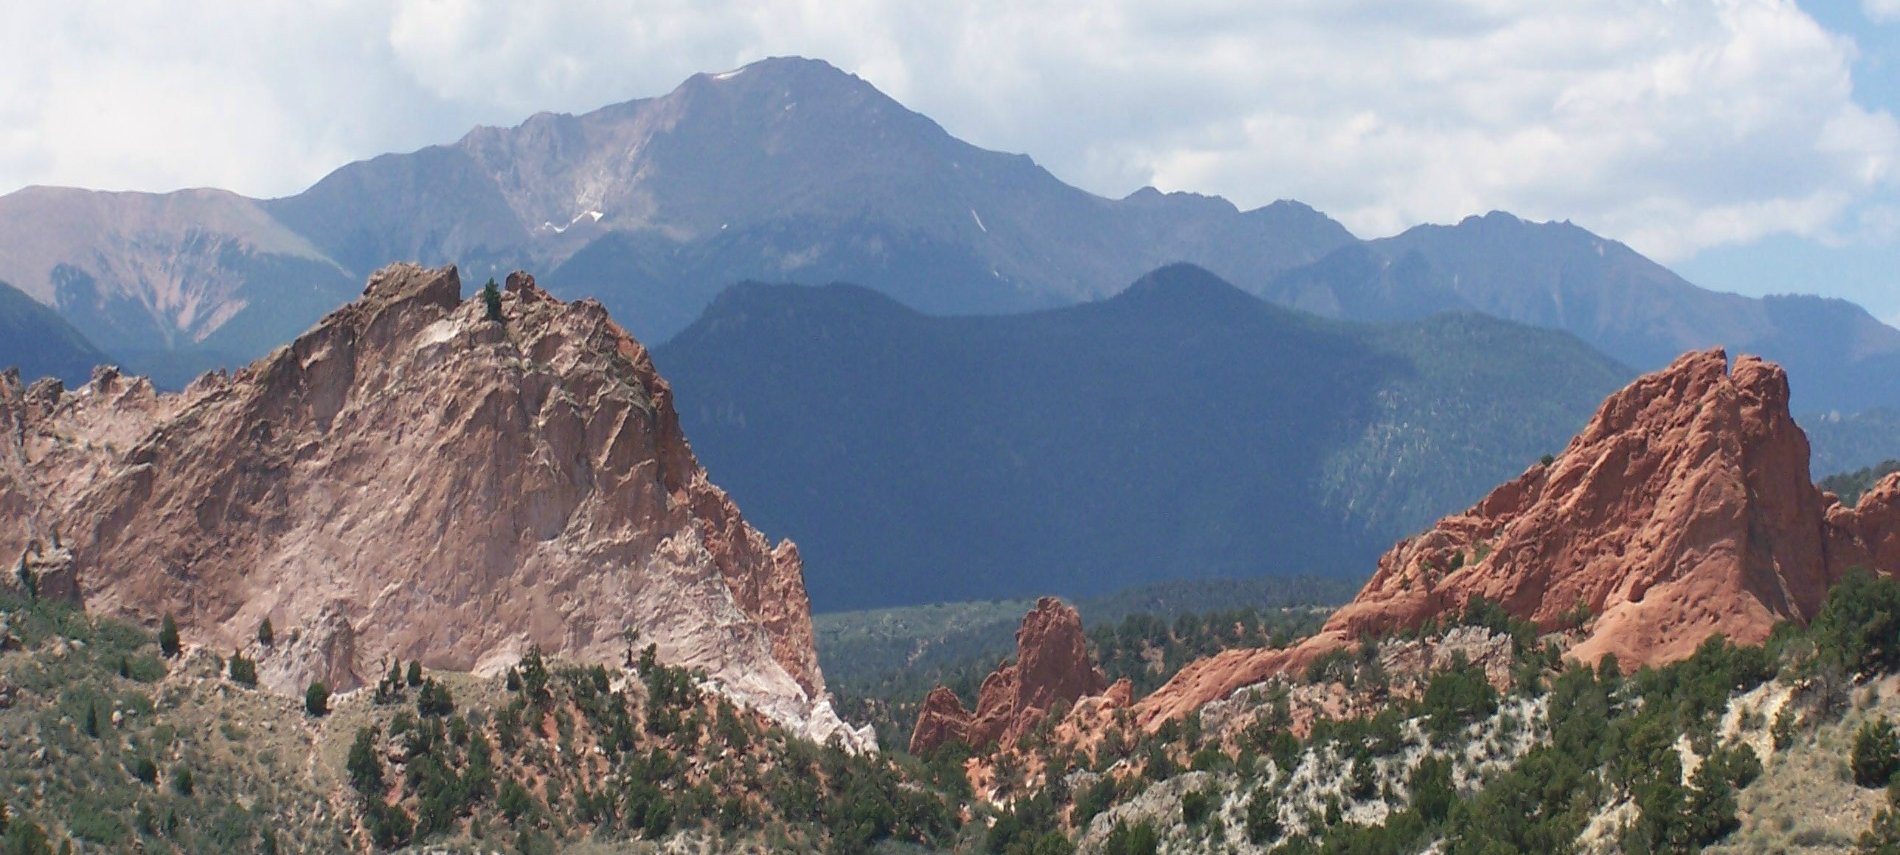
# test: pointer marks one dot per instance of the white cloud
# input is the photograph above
(1881, 11)
(1675, 126)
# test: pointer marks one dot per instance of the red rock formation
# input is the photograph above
(409, 479)
(1052, 667)
(1683, 509)
(1868, 534)
(941, 720)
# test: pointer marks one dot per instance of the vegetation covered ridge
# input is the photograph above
(1497, 744)
(113, 738)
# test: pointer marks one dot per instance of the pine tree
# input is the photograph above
(168, 637)
(390, 687)
(265, 635)
(415, 672)
(434, 700)
(534, 674)
(365, 771)
(491, 297)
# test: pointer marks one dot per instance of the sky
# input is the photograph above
(1752, 145)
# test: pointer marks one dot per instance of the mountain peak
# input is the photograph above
(1494, 219)
(789, 77)
(380, 494)
(1149, 196)
(1186, 284)
(1504, 224)
(782, 67)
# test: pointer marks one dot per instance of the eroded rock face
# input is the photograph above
(1683, 509)
(1052, 667)
(1868, 534)
(409, 479)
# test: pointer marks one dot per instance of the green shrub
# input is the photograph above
(1138, 839)
(91, 823)
(1457, 697)
(514, 802)
(243, 670)
(1089, 801)
(1432, 792)
(316, 699)
(1263, 818)
(1858, 629)
(24, 837)
(363, 767)
(1198, 805)
(1362, 779)
(434, 700)
(389, 825)
(1876, 754)
(168, 641)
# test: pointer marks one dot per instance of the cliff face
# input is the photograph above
(409, 479)
(1683, 509)
(1052, 667)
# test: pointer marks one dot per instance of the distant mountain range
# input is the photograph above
(791, 170)
(1181, 429)
(38, 342)
(1844, 443)
(1560, 276)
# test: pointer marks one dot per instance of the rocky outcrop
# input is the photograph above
(940, 721)
(1683, 509)
(45, 571)
(1867, 534)
(411, 479)
(1052, 667)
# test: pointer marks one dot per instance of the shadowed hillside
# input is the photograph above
(1181, 429)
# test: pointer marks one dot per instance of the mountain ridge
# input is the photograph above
(37, 342)
(789, 169)
(1126, 440)
(1561, 276)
